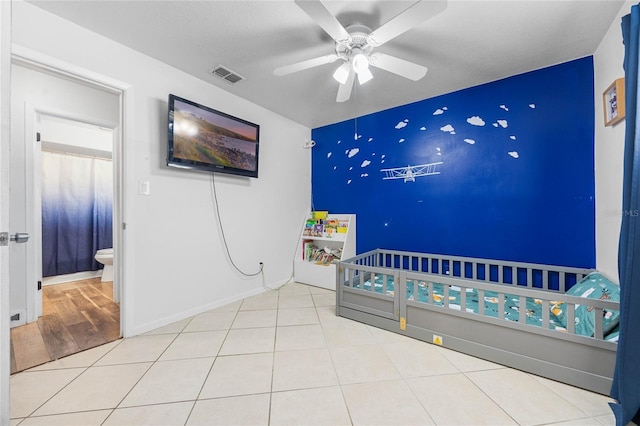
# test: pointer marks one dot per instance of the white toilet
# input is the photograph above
(105, 256)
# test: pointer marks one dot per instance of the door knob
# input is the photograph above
(20, 237)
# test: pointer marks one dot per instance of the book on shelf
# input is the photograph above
(324, 226)
(324, 256)
(307, 249)
(317, 230)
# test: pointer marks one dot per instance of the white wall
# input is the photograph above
(75, 137)
(609, 148)
(176, 253)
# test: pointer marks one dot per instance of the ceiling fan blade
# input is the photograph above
(398, 66)
(319, 13)
(309, 63)
(344, 91)
(414, 15)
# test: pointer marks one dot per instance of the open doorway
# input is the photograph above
(73, 238)
(41, 90)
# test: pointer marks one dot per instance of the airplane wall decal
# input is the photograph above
(410, 173)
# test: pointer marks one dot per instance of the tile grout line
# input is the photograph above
(333, 364)
(273, 357)
(65, 386)
(533, 376)
(142, 376)
(214, 359)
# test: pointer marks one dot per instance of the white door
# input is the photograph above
(4, 258)
(5, 135)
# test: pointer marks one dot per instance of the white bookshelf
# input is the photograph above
(320, 275)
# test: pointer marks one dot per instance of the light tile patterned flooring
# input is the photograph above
(284, 358)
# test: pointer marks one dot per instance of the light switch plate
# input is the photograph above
(144, 187)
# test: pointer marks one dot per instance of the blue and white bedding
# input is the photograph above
(592, 286)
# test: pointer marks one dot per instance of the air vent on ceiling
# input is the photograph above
(226, 74)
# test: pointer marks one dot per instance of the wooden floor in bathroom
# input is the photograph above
(75, 316)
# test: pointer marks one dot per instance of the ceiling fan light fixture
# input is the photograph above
(364, 76)
(342, 73)
(360, 64)
(359, 61)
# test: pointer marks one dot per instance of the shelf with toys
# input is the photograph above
(326, 238)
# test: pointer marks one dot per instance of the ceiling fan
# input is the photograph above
(355, 45)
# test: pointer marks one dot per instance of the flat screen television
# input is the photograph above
(201, 138)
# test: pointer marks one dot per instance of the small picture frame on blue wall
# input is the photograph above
(613, 102)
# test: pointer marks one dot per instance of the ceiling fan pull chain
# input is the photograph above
(355, 100)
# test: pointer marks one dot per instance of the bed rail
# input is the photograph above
(547, 300)
(531, 275)
(361, 278)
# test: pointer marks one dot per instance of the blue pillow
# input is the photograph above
(613, 336)
(592, 286)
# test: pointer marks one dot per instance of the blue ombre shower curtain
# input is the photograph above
(626, 379)
(77, 198)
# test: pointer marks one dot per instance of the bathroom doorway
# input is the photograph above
(41, 84)
(73, 181)
(73, 235)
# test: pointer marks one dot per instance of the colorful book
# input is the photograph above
(307, 249)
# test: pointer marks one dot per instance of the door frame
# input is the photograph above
(33, 156)
(5, 146)
(122, 151)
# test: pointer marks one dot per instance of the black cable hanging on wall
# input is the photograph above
(224, 238)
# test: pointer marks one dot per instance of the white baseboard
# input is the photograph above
(59, 279)
(144, 328)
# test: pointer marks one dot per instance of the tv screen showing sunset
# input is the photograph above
(211, 138)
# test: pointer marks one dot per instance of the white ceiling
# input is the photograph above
(470, 43)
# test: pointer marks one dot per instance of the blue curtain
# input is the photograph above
(626, 380)
(77, 194)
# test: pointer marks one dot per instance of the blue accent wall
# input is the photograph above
(516, 179)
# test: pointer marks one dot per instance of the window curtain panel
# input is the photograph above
(77, 198)
(626, 380)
